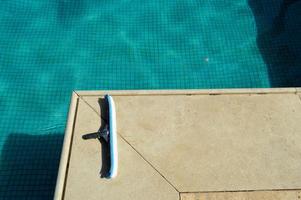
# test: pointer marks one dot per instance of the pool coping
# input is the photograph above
(76, 95)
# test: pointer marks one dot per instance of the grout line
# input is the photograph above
(150, 164)
(299, 95)
(236, 191)
(76, 93)
(81, 97)
(70, 148)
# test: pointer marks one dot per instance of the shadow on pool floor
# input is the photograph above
(279, 39)
(29, 165)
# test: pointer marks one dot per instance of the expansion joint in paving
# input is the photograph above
(148, 162)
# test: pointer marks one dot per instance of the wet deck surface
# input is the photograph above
(189, 147)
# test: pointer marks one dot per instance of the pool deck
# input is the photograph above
(187, 144)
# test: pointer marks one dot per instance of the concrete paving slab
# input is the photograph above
(216, 142)
(254, 195)
(136, 178)
(198, 144)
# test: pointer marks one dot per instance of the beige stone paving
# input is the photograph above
(199, 143)
(136, 178)
(216, 143)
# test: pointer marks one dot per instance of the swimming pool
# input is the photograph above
(51, 47)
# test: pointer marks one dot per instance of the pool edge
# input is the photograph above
(60, 182)
(76, 95)
(189, 91)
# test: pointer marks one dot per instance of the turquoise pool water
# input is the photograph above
(50, 47)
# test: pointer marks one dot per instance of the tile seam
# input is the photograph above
(150, 164)
(237, 191)
(82, 98)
